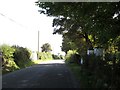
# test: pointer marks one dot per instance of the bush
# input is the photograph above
(14, 58)
(8, 63)
(98, 71)
(62, 57)
(45, 56)
(49, 56)
(22, 57)
(55, 56)
(72, 57)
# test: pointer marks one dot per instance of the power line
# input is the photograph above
(12, 20)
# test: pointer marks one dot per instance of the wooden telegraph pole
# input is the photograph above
(38, 46)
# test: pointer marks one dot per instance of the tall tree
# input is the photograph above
(98, 23)
(46, 47)
(94, 19)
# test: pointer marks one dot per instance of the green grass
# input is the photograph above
(39, 61)
(81, 76)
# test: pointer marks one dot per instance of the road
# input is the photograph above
(50, 74)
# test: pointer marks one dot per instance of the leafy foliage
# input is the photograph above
(45, 56)
(96, 19)
(14, 58)
(68, 44)
(8, 63)
(55, 56)
(78, 44)
(7, 51)
(85, 26)
(46, 47)
(73, 57)
(22, 56)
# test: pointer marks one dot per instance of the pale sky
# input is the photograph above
(20, 22)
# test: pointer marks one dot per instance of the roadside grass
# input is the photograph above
(82, 77)
(39, 61)
(36, 61)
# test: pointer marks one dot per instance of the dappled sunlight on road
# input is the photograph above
(48, 74)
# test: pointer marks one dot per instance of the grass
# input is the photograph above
(81, 76)
(39, 61)
(86, 78)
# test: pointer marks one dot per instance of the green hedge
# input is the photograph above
(45, 56)
(72, 57)
(100, 73)
(55, 56)
(22, 57)
(8, 63)
(14, 58)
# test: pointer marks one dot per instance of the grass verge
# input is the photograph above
(39, 61)
(81, 76)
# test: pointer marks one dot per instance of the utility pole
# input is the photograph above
(38, 46)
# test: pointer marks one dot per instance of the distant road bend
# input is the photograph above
(50, 74)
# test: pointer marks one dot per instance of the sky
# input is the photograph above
(20, 22)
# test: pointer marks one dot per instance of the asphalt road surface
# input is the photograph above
(50, 74)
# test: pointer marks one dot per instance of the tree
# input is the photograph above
(46, 47)
(95, 19)
(96, 23)
(74, 43)
(67, 44)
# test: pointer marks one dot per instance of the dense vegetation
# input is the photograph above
(45, 53)
(22, 56)
(8, 63)
(55, 57)
(85, 26)
(45, 56)
(14, 58)
(46, 47)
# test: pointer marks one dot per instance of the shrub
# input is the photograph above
(62, 57)
(49, 56)
(58, 56)
(72, 57)
(8, 63)
(55, 56)
(45, 56)
(22, 56)
(99, 71)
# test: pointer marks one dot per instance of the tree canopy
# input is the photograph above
(100, 20)
(46, 47)
(86, 25)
